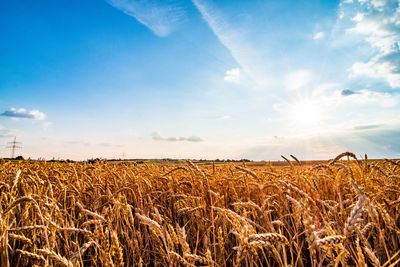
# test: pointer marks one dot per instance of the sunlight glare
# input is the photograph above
(306, 113)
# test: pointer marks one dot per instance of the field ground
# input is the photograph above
(338, 213)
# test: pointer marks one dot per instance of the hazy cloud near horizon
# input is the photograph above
(156, 136)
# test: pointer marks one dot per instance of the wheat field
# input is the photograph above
(344, 212)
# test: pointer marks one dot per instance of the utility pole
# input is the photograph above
(14, 145)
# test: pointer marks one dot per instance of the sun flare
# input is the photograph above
(306, 113)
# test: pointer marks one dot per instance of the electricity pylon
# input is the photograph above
(14, 145)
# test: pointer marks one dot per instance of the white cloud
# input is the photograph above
(341, 14)
(379, 27)
(22, 113)
(232, 75)
(358, 17)
(226, 117)
(319, 35)
(380, 70)
(378, 4)
(156, 136)
(297, 79)
(161, 17)
(373, 30)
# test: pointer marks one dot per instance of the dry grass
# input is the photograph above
(344, 213)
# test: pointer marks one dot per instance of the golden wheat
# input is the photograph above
(339, 212)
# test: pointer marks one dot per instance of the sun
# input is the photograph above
(306, 113)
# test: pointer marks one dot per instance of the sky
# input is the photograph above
(200, 79)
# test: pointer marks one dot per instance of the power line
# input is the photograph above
(14, 145)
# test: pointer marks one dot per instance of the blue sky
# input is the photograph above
(200, 79)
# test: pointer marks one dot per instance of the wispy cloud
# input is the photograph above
(244, 52)
(225, 117)
(367, 127)
(91, 144)
(22, 113)
(232, 75)
(319, 35)
(161, 17)
(156, 136)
